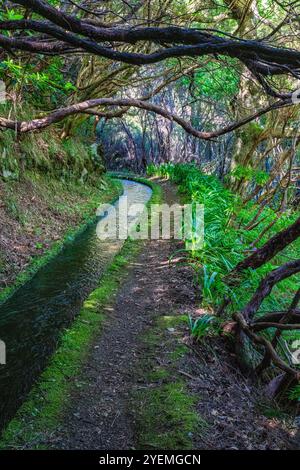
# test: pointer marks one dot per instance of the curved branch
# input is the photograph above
(267, 345)
(83, 107)
(280, 326)
(276, 317)
(267, 284)
(193, 42)
(270, 249)
(34, 46)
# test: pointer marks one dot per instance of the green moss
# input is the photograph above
(178, 352)
(165, 410)
(151, 338)
(46, 152)
(159, 374)
(12, 207)
(171, 321)
(168, 419)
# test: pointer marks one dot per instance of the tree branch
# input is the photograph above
(267, 284)
(183, 41)
(271, 248)
(59, 114)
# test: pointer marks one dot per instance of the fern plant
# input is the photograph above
(200, 327)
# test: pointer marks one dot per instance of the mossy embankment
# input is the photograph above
(49, 190)
(39, 215)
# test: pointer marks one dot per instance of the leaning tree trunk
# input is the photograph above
(247, 329)
(261, 256)
(276, 244)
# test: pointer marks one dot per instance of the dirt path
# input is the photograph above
(102, 415)
(100, 418)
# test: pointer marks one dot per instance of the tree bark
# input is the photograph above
(266, 286)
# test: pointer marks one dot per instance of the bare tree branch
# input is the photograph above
(182, 42)
(60, 114)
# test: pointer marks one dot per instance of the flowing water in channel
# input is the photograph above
(32, 319)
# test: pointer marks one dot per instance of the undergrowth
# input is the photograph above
(227, 241)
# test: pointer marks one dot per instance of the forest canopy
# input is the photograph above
(256, 41)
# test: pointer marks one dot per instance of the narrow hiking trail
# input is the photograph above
(100, 417)
(143, 374)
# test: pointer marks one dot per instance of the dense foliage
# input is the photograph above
(228, 240)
